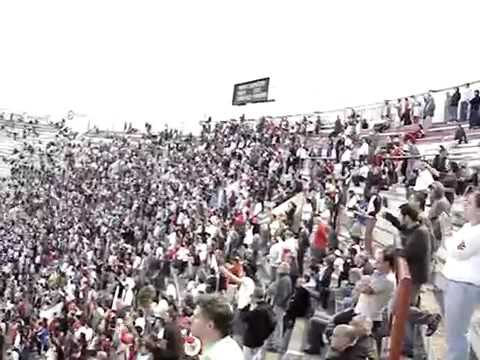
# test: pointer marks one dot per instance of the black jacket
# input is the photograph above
(416, 244)
(455, 99)
(377, 205)
(299, 304)
(259, 324)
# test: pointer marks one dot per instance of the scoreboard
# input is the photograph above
(251, 92)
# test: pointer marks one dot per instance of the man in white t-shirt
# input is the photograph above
(345, 159)
(211, 323)
(246, 286)
(462, 292)
(376, 290)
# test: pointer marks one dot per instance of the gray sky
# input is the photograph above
(177, 61)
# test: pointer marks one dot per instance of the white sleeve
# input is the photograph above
(472, 247)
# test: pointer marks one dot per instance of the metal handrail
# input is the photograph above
(401, 308)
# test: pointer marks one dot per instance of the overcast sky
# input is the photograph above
(176, 61)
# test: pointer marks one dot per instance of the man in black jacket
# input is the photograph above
(303, 245)
(259, 324)
(475, 110)
(453, 105)
(416, 244)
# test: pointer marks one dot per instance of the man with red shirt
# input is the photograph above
(320, 241)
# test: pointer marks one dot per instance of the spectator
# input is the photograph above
(275, 257)
(320, 241)
(362, 262)
(246, 286)
(466, 96)
(307, 214)
(453, 105)
(417, 111)
(416, 244)
(325, 280)
(406, 112)
(280, 291)
(259, 324)
(338, 126)
(346, 345)
(460, 135)
(363, 327)
(303, 246)
(440, 162)
(462, 292)
(428, 111)
(211, 323)
(376, 290)
(373, 208)
(474, 110)
(464, 177)
(439, 211)
(300, 303)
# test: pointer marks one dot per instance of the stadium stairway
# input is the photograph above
(382, 235)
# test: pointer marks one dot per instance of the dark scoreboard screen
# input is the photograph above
(251, 92)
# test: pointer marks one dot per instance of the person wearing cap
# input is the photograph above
(280, 292)
(259, 324)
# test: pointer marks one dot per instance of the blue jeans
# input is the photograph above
(460, 301)
(277, 339)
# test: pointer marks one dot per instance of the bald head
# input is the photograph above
(343, 337)
(362, 325)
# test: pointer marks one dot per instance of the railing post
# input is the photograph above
(400, 310)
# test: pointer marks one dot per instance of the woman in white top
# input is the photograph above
(462, 271)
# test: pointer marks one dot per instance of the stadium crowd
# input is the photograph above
(165, 246)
